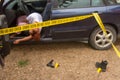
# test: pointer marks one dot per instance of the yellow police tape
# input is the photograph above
(99, 21)
(57, 22)
(43, 24)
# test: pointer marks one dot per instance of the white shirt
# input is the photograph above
(5, 1)
(34, 17)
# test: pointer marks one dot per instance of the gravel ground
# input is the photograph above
(77, 62)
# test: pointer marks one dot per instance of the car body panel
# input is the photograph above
(111, 18)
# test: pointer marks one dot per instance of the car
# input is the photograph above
(82, 30)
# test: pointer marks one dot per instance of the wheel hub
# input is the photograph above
(103, 40)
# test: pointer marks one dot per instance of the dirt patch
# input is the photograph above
(77, 62)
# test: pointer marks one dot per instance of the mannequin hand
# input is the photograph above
(16, 42)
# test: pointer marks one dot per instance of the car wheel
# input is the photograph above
(98, 40)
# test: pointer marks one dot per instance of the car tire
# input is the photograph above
(98, 41)
(5, 49)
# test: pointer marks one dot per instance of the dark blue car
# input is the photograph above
(83, 30)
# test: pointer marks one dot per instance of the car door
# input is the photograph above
(69, 8)
(4, 44)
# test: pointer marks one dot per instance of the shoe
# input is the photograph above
(101, 65)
